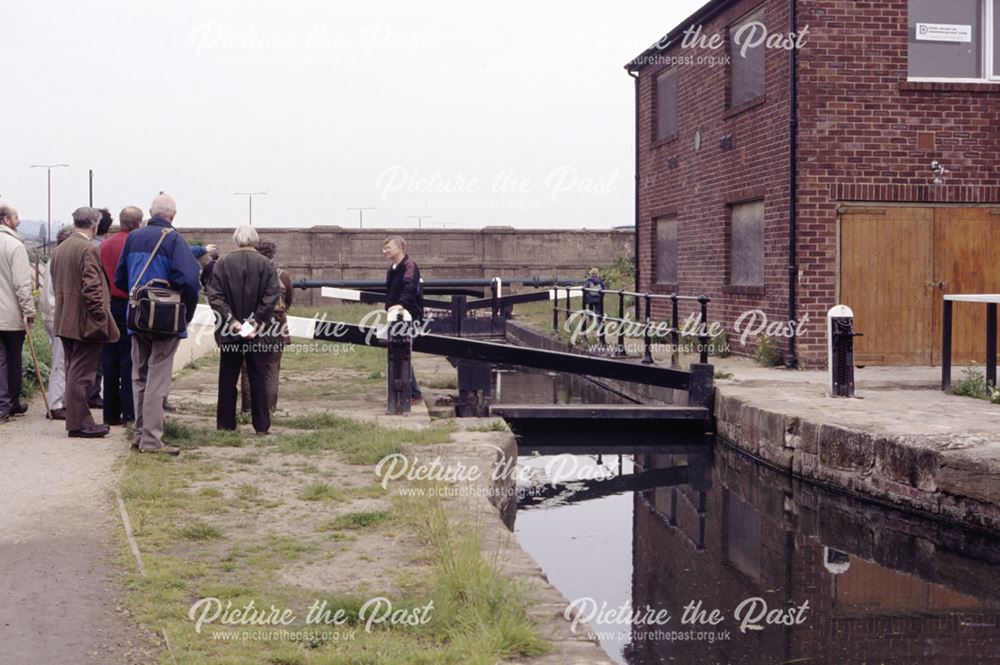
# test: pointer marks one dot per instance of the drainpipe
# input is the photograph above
(792, 359)
(635, 236)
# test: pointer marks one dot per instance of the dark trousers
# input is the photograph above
(231, 358)
(82, 361)
(11, 369)
(116, 365)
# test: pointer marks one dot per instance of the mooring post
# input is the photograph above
(675, 333)
(703, 333)
(400, 344)
(702, 390)
(647, 355)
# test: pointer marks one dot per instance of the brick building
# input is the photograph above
(880, 91)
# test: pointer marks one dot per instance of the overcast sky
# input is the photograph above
(476, 113)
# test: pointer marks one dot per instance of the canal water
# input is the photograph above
(704, 555)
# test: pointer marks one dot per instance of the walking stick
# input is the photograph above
(38, 372)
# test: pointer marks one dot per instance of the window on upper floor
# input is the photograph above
(666, 105)
(954, 40)
(666, 250)
(746, 53)
(746, 248)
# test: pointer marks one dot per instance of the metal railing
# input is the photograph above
(647, 298)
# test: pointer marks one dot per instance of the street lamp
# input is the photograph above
(48, 168)
(420, 219)
(361, 216)
(250, 196)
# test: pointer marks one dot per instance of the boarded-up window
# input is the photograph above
(746, 250)
(746, 51)
(946, 39)
(666, 105)
(666, 250)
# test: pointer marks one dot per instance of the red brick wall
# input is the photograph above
(858, 130)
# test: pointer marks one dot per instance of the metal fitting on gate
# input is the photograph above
(399, 338)
(840, 350)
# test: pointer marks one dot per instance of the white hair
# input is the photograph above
(245, 236)
(163, 206)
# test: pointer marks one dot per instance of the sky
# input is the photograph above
(471, 114)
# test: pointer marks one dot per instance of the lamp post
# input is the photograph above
(361, 216)
(250, 196)
(48, 228)
(420, 219)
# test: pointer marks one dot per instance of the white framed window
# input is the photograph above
(954, 40)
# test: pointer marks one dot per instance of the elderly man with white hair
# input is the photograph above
(16, 305)
(153, 354)
(243, 291)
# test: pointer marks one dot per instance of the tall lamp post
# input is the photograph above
(48, 229)
(250, 196)
(420, 219)
(361, 216)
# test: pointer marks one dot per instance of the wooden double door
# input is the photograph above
(896, 265)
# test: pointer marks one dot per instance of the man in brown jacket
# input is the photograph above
(83, 318)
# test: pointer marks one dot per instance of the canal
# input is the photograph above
(700, 554)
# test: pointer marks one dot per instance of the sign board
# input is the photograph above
(944, 32)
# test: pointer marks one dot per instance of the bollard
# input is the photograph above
(400, 345)
(840, 350)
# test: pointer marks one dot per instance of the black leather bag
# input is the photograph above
(155, 308)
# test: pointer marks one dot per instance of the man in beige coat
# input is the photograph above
(16, 305)
(83, 318)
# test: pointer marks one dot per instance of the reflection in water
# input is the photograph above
(706, 528)
(870, 584)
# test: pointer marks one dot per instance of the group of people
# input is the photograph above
(85, 305)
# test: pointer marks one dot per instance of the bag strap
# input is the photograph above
(163, 235)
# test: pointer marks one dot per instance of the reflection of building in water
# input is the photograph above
(881, 587)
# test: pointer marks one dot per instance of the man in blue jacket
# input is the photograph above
(153, 356)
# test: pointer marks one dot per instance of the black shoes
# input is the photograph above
(20, 408)
(95, 432)
(168, 407)
(57, 414)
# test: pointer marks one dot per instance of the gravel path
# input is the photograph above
(60, 579)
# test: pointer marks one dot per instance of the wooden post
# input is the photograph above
(702, 390)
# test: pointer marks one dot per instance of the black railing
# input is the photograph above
(647, 299)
